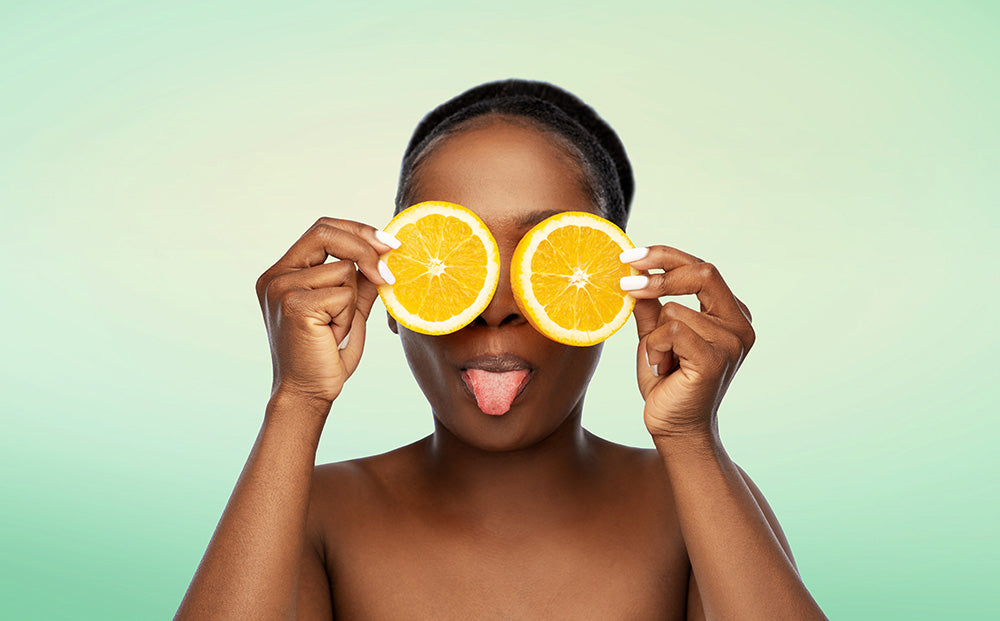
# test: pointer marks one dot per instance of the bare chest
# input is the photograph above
(600, 567)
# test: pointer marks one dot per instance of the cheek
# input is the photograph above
(426, 358)
(570, 368)
(419, 352)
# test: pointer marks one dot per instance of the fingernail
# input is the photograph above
(387, 239)
(383, 271)
(652, 367)
(631, 283)
(347, 339)
(633, 254)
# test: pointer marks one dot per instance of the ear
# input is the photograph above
(392, 323)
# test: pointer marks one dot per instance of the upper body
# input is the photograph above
(520, 515)
(388, 537)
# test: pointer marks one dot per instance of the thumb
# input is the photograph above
(367, 292)
(354, 342)
(647, 314)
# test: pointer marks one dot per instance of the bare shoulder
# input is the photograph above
(343, 486)
(631, 460)
(637, 473)
(344, 494)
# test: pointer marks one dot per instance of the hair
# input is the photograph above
(580, 132)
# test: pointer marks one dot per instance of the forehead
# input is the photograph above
(510, 175)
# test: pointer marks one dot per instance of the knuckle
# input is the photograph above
(274, 291)
(261, 285)
(324, 230)
(722, 360)
(658, 281)
(341, 296)
(327, 221)
(345, 270)
(733, 345)
(674, 327)
(707, 271)
(289, 304)
(670, 309)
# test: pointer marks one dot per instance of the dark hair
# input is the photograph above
(607, 174)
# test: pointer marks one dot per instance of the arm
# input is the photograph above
(695, 606)
(742, 570)
(686, 360)
(260, 563)
(251, 567)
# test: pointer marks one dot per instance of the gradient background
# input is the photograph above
(838, 163)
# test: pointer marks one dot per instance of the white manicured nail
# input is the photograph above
(652, 367)
(631, 283)
(387, 239)
(383, 271)
(347, 339)
(633, 254)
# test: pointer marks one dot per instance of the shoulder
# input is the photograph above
(637, 473)
(382, 472)
(630, 461)
(346, 493)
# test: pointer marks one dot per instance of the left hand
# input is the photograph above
(692, 356)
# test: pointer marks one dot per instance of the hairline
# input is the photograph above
(586, 177)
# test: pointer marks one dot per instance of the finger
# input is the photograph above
(367, 292)
(353, 344)
(341, 239)
(746, 311)
(647, 312)
(336, 274)
(648, 371)
(647, 316)
(700, 279)
(710, 329)
(311, 308)
(687, 346)
(658, 257)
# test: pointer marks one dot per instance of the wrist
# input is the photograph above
(287, 405)
(699, 445)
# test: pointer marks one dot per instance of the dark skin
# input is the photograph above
(525, 515)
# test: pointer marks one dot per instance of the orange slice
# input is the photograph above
(565, 275)
(446, 268)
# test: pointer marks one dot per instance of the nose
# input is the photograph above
(502, 309)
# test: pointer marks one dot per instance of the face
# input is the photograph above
(512, 177)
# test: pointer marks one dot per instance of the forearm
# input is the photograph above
(250, 569)
(741, 570)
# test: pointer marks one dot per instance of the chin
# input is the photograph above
(515, 430)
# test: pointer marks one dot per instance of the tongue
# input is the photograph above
(495, 391)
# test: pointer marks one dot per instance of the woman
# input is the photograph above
(521, 516)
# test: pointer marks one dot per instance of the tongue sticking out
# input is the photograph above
(495, 391)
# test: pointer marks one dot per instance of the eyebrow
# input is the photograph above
(529, 220)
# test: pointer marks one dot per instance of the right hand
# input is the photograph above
(310, 306)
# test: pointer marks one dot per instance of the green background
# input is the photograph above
(837, 160)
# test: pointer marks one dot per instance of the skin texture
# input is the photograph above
(526, 515)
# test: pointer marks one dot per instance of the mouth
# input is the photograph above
(495, 381)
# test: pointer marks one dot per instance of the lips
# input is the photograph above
(496, 381)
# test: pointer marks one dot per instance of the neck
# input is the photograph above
(496, 483)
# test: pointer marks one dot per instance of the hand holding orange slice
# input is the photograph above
(566, 273)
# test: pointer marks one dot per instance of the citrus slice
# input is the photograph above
(565, 275)
(446, 268)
